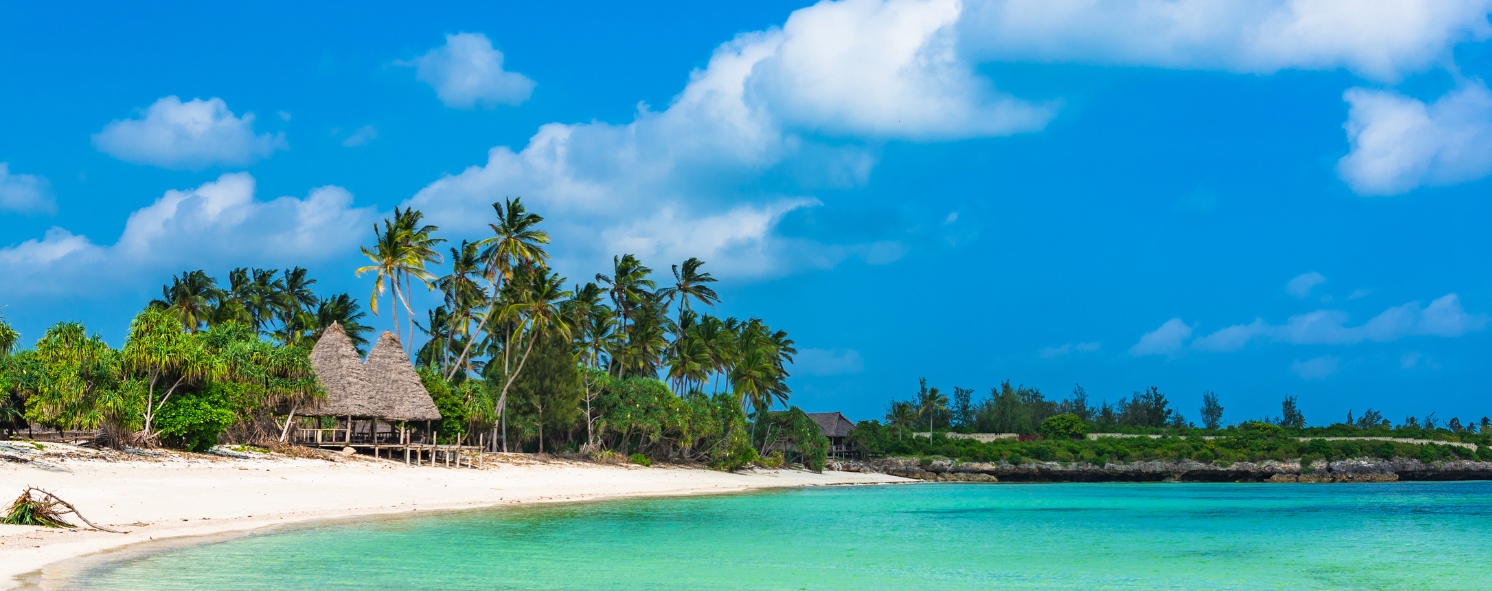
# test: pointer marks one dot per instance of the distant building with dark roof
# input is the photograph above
(837, 428)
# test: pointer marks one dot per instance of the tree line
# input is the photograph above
(624, 363)
(1023, 410)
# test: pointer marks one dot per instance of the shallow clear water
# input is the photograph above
(1059, 536)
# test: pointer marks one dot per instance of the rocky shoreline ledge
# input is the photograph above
(1320, 471)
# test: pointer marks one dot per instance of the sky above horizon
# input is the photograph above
(1260, 198)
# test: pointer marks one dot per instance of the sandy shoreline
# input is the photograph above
(178, 495)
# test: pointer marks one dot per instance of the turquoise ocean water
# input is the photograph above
(938, 536)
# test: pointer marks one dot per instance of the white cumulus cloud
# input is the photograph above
(1379, 39)
(217, 223)
(468, 72)
(191, 135)
(680, 182)
(25, 193)
(884, 69)
(1399, 143)
(360, 137)
(1167, 340)
(828, 362)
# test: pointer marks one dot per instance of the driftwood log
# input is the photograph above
(26, 494)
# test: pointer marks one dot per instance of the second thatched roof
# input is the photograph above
(385, 387)
(396, 385)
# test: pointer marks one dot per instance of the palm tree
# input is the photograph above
(344, 310)
(930, 402)
(295, 293)
(263, 297)
(419, 243)
(516, 241)
(463, 295)
(536, 310)
(387, 256)
(690, 283)
(901, 414)
(189, 298)
(8, 338)
(627, 284)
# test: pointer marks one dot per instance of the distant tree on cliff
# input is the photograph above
(1212, 410)
(1290, 415)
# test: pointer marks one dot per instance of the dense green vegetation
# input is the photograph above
(1056, 430)
(617, 366)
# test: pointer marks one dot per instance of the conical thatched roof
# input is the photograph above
(400, 393)
(340, 370)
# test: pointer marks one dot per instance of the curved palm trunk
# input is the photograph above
(461, 359)
(502, 399)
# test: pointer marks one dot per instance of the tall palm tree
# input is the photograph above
(295, 293)
(462, 293)
(516, 241)
(536, 310)
(262, 298)
(387, 256)
(8, 338)
(690, 283)
(419, 243)
(189, 298)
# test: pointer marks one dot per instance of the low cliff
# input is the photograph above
(1355, 470)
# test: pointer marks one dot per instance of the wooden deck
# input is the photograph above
(389, 444)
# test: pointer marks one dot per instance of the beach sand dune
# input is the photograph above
(175, 495)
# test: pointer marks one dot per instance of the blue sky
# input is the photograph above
(1260, 198)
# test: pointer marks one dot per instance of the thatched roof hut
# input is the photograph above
(340, 370)
(398, 389)
(386, 387)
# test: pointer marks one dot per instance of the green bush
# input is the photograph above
(774, 460)
(1427, 454)
(1350, 449)
(1204, 456)
(193, 421)
(640, 460)
(1386, 451)
(1484, 453)
(1064, 426)
(1320, 447)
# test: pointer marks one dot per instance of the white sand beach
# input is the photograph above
(177, 495)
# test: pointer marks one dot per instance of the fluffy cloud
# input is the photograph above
(892, 69)
(24, 193)
(219, 222)
(191, 135)
(1444, 317)
(671, 182)
(1399, 143)
(467, 72)
(828, 362)
(1383, 39)
(1167, 340)
(1067, 348)
(1318, 368)
(1301, 285)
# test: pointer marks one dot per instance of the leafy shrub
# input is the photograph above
(1319, 447)
(1427, 454)
(1204, 456)
(1484, 453)
(193, 421)
(1064, 426)
(1386, 451)
(641, 460)
(1350, 449)
(773, 460)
